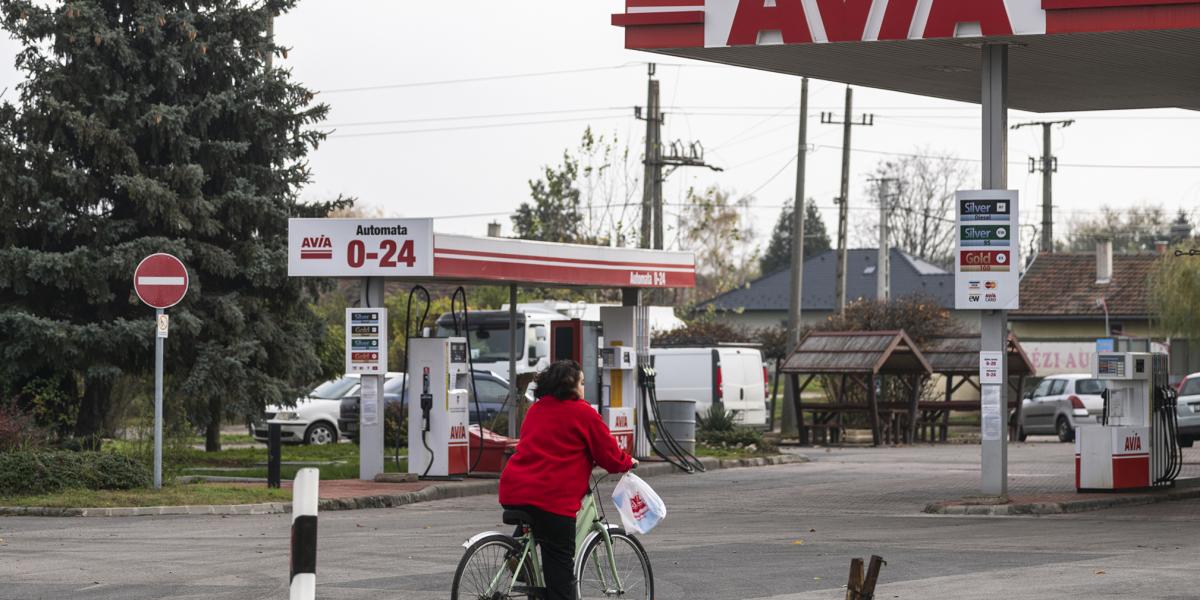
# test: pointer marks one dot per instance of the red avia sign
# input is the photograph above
(717, 23)
(985, 260)
(160, 280)
(316, 248)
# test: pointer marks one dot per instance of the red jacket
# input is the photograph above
(561, 440)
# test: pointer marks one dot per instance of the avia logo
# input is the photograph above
(458, 432)
(638, 506)
(1133, 443)
(846, 20)
(316, 248)
(621, 422)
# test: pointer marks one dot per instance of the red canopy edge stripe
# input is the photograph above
(661, 3)
(450, 253)
(691, 17)
(1072, 4)
(664, 36)
(1129, 18)
(466, 268)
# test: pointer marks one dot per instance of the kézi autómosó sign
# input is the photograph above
(360, 247)
(987, 257)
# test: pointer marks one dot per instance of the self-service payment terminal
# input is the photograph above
(1135, 444)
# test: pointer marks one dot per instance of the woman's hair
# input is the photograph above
(559, 380)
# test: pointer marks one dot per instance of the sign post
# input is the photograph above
(160, 281)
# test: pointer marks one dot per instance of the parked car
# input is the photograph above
(732, 375)
(1061, 403)
(313, 420)
(493, 390)
(1188, 412)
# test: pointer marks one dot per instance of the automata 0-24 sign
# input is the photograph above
(987, 262)
(360, 247)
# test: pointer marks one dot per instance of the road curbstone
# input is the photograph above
(439, 491)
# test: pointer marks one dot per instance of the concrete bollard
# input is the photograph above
(305, 489)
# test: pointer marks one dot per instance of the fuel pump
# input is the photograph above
(1135, 445)
(626, 344)
(437, 407)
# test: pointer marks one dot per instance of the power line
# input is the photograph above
(475, 117)
(395, 86)
(471, 127)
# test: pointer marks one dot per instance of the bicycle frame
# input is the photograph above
(587, 524)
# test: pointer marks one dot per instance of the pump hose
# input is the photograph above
(679, 456)
(466, 332)
(1166, 412)
(408, 323)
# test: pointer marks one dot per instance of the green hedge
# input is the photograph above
(45, 472)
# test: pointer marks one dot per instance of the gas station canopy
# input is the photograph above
(1067, 55)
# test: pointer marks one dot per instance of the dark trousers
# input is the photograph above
(555, 534)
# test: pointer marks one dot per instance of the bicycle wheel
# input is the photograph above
(595, 573)
(489, 560)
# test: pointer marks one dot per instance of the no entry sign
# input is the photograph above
(160, 280)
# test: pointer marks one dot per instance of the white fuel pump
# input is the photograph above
(624, 336)
(1135, 444)
(437, 407)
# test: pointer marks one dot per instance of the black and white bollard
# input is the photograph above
(304, 534)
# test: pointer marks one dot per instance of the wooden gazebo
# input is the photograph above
(957, 357)
(860, 359)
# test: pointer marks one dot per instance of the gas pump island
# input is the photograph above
(438, 388)
(1134, 446)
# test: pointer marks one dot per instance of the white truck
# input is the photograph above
(735, 376)
(490, 338)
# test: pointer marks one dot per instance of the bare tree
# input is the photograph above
(609, 181)
(717, 230)
(921, 219)
(1134, 229)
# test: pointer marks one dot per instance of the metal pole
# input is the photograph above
(881, 268)
(370, 436)
(656, 114)
(796, 300)
(844, 201)
(1047, 191)
(994, 323)
(158, 400)
(514, 397)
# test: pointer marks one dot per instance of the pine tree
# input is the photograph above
(155, 126)
(779, 250)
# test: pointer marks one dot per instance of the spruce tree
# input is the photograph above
(779, 251)
(155, 126)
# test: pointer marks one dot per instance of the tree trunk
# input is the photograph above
(212, 432)
(89, 424)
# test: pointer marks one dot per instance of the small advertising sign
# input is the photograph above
(360, 247)
(987, 259)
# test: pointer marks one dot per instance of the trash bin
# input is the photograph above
(496, 450)
(679, 419)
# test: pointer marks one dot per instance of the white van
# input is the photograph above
(732, 375)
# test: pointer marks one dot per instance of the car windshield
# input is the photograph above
(489, 340)
(1093, 387)
(1192, 387)
(332, 390)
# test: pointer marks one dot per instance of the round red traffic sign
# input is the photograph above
(160, 280)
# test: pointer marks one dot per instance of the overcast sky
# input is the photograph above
(424, 158)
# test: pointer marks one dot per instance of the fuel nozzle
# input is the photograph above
(426, 400)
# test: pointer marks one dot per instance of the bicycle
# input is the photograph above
(609, 563)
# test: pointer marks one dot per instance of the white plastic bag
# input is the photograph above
(640, 507)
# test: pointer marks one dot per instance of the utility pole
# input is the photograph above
(797, 271)
(681, 155)
(1048, 167)
(650, 182)
(883, 266)
(843, 200)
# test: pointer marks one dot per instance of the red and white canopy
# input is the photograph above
(1067, 54)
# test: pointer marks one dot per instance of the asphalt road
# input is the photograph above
(779, 533)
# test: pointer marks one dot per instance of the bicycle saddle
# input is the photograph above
(517, 517)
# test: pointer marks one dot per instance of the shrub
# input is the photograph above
(716, 419)
(395, 426)
(46, 472)
(18, 431)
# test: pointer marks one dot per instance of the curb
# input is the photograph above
(433, 492)
(1061, 508)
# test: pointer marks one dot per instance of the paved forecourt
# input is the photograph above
(777, 533)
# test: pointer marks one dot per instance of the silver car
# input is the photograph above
(1189, 410)
(1061, 403)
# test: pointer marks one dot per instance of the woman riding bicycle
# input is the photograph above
(562, 439)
